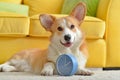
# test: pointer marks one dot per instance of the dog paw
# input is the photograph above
(7, 68)
(47, 71)
(84, 72)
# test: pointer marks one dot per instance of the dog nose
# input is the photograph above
(67, 37)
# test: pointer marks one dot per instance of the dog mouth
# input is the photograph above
(67, 44)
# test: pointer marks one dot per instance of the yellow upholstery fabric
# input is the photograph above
(93, 27)
(12, 1)
(97, 53)
(13, 25)
(10, 45)
(103, 9)
(109, 10)
(44, 6)
(10, 14)
(96, 58)
(113, 34)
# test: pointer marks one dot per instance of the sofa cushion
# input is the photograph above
(15, 8)
(12, 24)
(12, 45)
(12, 1)
(93, 27)
(70, 4)
(44, 6)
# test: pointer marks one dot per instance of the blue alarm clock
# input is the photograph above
(66, 65)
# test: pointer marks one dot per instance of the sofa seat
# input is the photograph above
(12, 24)
(94, 28)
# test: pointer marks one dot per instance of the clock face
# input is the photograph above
(65, 65)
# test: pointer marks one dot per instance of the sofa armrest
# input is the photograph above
(102, 9)
(109, 10)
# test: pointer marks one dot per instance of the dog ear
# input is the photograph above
(46, 21)
(79, 11)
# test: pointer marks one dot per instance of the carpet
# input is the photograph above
(99, 75)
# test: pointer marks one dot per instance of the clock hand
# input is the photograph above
(65, 60)
(67, 64)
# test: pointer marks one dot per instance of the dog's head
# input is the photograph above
(65, 30)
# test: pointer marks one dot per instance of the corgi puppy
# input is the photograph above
(67, 37)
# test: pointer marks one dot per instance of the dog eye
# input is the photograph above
(72, 26)
(60, 28)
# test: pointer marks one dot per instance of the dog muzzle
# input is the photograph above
(67, 44)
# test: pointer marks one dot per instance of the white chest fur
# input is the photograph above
(54, 52)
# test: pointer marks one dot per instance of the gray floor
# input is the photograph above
(99, 75)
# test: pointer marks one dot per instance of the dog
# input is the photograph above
(66, 37)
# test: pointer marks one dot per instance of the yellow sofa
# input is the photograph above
(18, 32)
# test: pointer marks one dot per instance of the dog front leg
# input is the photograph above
(48, 69)
(81, 66)
(82, 70)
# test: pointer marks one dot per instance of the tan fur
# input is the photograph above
(36, 58)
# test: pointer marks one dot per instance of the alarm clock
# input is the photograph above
(66, 65)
